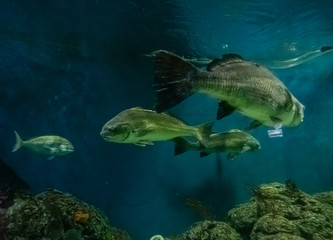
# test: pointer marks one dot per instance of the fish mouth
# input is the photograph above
(103, 134)
(70, 149)
(105, 137)
(256, 148)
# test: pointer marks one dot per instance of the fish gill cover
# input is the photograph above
(67, 67)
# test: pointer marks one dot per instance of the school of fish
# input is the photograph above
(237, 84)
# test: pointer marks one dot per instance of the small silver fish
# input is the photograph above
(239, 85)
(233, 142)
(142, 127)
(50, 146)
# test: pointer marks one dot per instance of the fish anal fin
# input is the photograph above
(180, 145)
(224, 109)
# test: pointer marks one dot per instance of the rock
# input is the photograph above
(325, 197)
(270, 224)
(243, 217)
(279, 211)
(210, 230)
(280, 236)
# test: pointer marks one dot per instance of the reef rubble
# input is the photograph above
(275, 212)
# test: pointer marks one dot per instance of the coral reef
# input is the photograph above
(275, 212)
(54, 215)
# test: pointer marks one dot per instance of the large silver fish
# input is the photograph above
(142, 127)
(49, 146)
(232, 142)
(239, 85)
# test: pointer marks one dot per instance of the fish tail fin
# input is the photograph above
(204, 131)
(19, 142)
(171, 79)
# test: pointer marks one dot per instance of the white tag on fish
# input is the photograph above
(275, 133)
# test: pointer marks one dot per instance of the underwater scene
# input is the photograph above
(175, 120)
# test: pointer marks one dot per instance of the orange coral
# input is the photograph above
(81, 216)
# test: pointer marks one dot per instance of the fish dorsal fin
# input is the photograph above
(226, 58)
(231, 57)
(137, 108)
(234, 131)
(140, 109)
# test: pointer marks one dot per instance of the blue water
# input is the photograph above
(67, 67)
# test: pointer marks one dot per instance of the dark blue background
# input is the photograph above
(67, 67)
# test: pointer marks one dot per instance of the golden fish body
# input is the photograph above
(143, 127)
(240, 85)
(50, 146)
(233, 142)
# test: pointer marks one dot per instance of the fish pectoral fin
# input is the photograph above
(204, 154)
(143, 143)
(232, 156)
(245, 148)
(254, 124)
(277, 122)
(52, 149)
(224, 109)
(139, 144)
(141, 132)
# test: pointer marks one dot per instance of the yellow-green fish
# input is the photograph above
(233, 142)
(239, 85)
(143, 127)
(49, 146)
